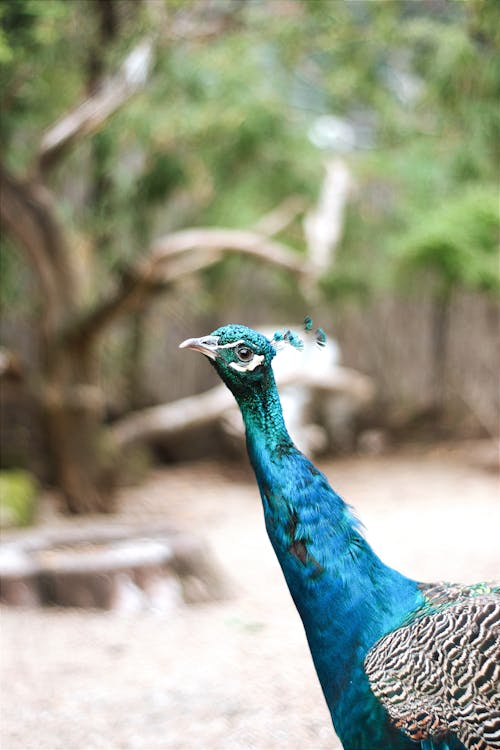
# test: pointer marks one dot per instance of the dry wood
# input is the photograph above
(172, 257)
(206, 408)
(324, 224)
(280, 217)
(174, 418)
(89, 116)
(239, 240)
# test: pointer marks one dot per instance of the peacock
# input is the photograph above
(403, 665)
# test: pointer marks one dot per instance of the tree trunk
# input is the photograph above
(134, 372)
(83, 459)
(64, 386)
(83, 471)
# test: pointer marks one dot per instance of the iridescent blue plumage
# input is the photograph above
(347, 598)
(308, 323)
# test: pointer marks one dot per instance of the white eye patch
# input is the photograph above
(231, 345)
(256, 360)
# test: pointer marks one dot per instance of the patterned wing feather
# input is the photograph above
(439, 675)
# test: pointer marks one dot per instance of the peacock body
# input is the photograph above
(403, 665)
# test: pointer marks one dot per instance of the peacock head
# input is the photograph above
(241, 356)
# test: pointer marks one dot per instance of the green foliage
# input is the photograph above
(427, 197)
(227, 124)
(164, 175)
(36, 88)
(342, 285)
(460, 63)
(18, 498)
(458, 241)
(220, 134)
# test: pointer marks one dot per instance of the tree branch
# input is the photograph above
(28, 215)
(324, 224)
(168, 420)
(228, 240)
(89, 116)
(172, 257)
(172, 419)
(280, 217)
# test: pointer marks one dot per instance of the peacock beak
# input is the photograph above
(206, 345)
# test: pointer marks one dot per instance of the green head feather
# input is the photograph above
(242, 356)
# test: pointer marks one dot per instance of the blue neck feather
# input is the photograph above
(347, 598)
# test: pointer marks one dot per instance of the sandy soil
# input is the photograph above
(232, 675)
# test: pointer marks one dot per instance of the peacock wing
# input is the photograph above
(438, 675)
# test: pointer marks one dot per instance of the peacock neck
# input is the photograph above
(263, 417)
(346, 596)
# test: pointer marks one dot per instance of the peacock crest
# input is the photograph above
(287, 336)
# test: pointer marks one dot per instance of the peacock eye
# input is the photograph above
(244, 353)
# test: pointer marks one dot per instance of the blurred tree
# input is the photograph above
(182, 113)
(425, 213)
(457, 245)
(75, 307)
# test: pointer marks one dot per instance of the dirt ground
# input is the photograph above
(235, 674)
